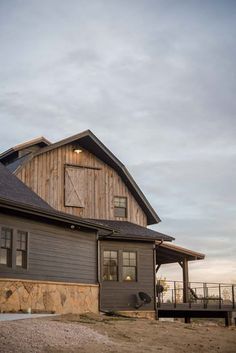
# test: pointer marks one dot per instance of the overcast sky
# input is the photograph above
(156, 82)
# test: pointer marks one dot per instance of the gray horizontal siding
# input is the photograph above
(119, 295)
(55, 253)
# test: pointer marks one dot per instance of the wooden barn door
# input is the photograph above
(74, 186)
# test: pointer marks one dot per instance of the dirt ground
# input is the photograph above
(101, 334)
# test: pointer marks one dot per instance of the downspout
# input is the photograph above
(99, 268)
(157, 303)
(157, 246)
(99, 272)
(154, 281)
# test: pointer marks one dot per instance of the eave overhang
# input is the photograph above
(50, 215)
(38, 140)
(167, 253)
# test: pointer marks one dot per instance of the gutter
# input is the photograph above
(115, 235)
(51, 214)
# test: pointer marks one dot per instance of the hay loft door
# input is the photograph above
(74, 186)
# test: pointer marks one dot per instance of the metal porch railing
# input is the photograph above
(200, 295)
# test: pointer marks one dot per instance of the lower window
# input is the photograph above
(129, 266)
(21, 249)
(110, 265)
(6, 246)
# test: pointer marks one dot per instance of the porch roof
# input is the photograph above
(167, 253)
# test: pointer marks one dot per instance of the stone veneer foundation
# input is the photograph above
(42, 296)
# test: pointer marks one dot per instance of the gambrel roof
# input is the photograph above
(91, 143)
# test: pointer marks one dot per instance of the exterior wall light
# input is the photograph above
(77, 150)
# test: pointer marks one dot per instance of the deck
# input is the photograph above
(204, 300)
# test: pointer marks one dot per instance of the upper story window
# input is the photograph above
(129, 270)
(110, 265)
(6, 246)
(21, 249)
(120, 206)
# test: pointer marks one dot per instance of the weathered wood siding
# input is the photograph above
(55, 254)
(45, 174)
(120, 295)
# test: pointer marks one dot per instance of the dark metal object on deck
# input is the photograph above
(145, 299)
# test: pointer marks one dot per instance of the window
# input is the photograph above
(129, 266)
(120, 206)
(21, 249)
(110, 265)
(6, 247)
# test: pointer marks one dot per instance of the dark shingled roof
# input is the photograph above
(131, 231)
(12, 189)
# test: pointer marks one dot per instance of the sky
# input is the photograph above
(155, 80)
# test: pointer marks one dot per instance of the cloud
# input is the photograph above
(154, 80)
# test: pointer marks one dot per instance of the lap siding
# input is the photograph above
(120, 295)
(55, 253)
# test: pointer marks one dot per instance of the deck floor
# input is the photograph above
(194, 306)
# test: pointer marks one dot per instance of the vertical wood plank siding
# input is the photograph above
(55, 254)
(121, 295)
(44, 174)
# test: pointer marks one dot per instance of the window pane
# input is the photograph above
(116, 201)
(3, 256)
(120, 212)
(23, 236)
(114, 254)
(129, 258)
(23, 245)
(105, 273)
(132, 255)
(120, 201)
(6, 236)
(110, 262)
(21, 240)
(126, 262)
(109, 273)
(129, 273)
(132, 262)
(8, 243)
(19, 258)
(106, 254)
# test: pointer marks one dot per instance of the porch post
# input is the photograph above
(185, 280)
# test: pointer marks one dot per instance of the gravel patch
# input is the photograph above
(38, 335)
(13, 317)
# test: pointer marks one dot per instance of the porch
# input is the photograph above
(185, 299)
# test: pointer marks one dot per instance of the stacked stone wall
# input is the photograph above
(54, 297)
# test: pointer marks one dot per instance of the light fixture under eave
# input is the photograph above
(77, 150)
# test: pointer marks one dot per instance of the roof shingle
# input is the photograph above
(130, 230)
(11, 188)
